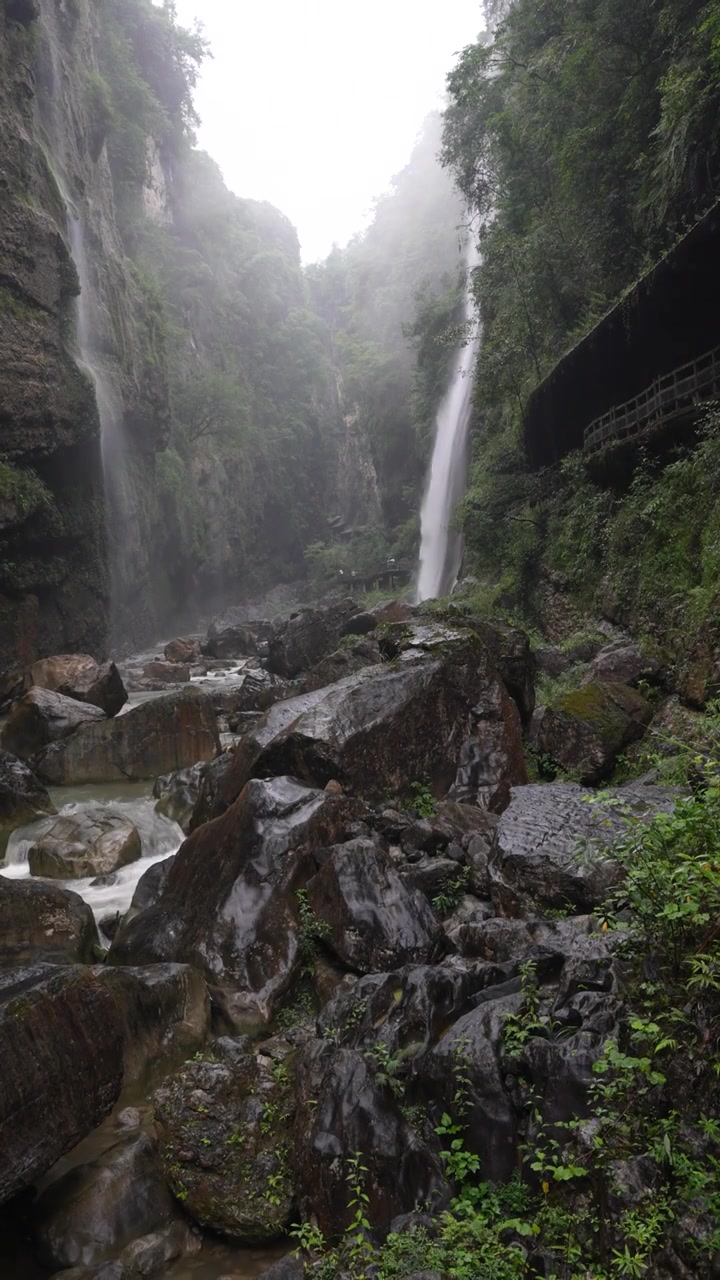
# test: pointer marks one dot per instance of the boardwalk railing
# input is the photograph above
(667, 396)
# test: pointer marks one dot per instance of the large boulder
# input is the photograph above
(553, 845)
(93, 1211)
(230, 905)
(300, 643)
(42, 922)
(584, 732)
(22, 797)
(155, 738)
(183, 651)
(43, 716)
(344, 1109)
(80, 677)
(238, 641)
(223, 1124)
(437, 711)
(623, 661)
(372, 920)
(70, 1038)
(80, 845)
(61, 1066)
(349, 658)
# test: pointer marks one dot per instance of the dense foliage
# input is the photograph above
(585, 136)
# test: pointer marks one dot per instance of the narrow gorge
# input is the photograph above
(359, 641)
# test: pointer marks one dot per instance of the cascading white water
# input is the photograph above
(441, 546)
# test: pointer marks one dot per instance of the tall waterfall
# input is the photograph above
(441, 547)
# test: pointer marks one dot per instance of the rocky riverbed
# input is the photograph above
(265, 915)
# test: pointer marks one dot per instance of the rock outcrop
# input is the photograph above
(301, 642)
(437, 711)
(230, 906)
(43, 716)
(79, 676)
(42, 923)
(23, 798)
(155, 738)
(584, 732)
(77, 846)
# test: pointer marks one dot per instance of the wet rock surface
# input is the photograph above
(92, 1212)
(230, 902)
(177, 794)
(84, 845)
(155, 738)
(551, 847)
(44, 923)
(301, 642)
(373, 921)
(80, 677)
(23, 798)
(437, 711)
(44, 716)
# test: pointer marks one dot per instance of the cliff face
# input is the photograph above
(53, 580)
(170, 427)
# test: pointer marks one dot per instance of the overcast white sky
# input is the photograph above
(315, 104)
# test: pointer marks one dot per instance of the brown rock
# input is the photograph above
(583, 732)
(166, 672)
(76, 847)
(168, 733)
(43, 923)
(61, 670)
(182, 651)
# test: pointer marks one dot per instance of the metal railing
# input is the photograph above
(663, 399)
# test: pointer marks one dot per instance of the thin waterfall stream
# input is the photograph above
(441, 546)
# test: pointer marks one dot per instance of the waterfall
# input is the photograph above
(441, 547)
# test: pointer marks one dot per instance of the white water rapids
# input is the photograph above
(441, 546)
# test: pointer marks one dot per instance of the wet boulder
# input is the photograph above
(300, 643)
(42, 717)
(553, 845)
(44, 923)
(177, 794)
(222, 1125)
(80, 677)
(438, 710)
(23, 798)
(584, 731)
(623, 661)
(343, 1109)
(77, 846)
(166, 672)
(61, 1066)
(238, 641)
(210, 802)
(183, 652)
(70, 1038)
(230, 904)
(155, 738)
(91, 1213)
(372, 921)
(349, 658)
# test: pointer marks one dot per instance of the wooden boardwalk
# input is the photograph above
(667, 397)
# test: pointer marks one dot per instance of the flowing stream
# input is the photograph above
(441, 546)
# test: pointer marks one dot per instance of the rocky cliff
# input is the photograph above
(170, 426)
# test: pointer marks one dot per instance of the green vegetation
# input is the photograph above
(654, 1100)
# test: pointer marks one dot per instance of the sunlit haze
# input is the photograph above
(315, 106)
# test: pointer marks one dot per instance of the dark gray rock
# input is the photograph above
(177, 794)
(374, 921)
(300, 643)
(623, 661)
(552, 847)
(343, 1109)
(230, 906)
(23, 798)
(91, 1213)
(44, 716)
